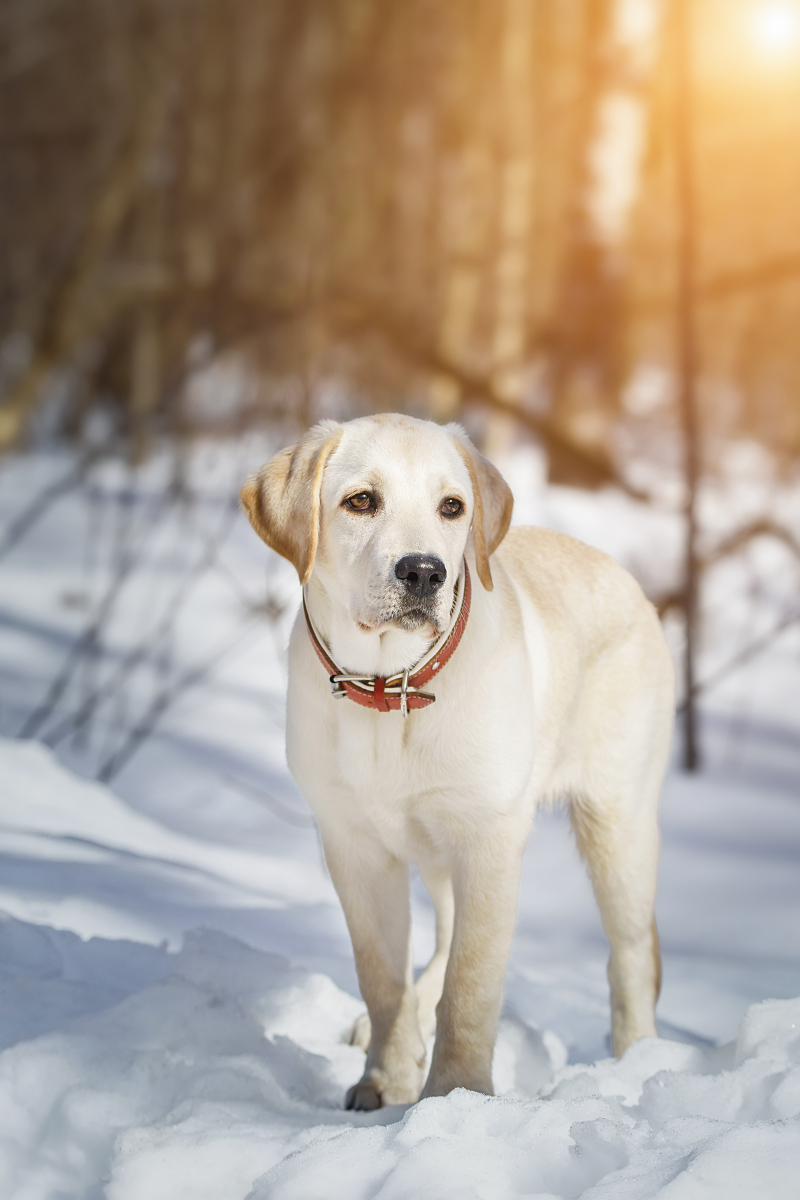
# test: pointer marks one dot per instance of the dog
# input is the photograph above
(448, 676)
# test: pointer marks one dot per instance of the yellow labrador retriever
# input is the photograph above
(446, 677)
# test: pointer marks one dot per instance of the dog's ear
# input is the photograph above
(493, 504)
(282, 500)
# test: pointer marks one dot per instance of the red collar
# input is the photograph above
(392, 693)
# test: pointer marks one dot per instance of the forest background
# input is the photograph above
(573, 224)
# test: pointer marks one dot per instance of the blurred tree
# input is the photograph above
(390, 199)
(746, 129)
(399, 205)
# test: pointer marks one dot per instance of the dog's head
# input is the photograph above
(383, 509)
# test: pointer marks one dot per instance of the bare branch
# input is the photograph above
(189, 679)
(148, 646)
(41, 503)
(89, 636)
(479, 390)
(761, 527)
(744, 656)
(276, 806)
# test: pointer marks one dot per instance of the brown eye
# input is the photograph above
(451, 507)
(361, 502)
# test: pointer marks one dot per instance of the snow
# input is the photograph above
(218, 1071)
(176, 979)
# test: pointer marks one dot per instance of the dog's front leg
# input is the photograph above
(373, 888)
(486, 884)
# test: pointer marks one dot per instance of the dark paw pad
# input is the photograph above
(363, 1097)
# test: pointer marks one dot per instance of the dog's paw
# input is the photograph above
(368, 1095)
(361, 1034)
(377, 1090)
(363, 1096)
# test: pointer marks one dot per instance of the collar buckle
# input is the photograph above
(404, 694)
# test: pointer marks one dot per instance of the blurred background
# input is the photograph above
(572, 225)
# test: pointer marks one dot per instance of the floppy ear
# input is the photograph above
(493, 504)
(282, 500)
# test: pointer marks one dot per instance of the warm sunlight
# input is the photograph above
(775, 27)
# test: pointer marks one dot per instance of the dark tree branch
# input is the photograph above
(150, 644)
(743, 657)
(40, 504)
(189, 679)
(478, 390)
(88, 638)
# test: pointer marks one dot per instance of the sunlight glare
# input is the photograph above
(775, 27)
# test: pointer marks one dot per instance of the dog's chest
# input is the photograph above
(390, 775)
(382, 763)
(403, 777)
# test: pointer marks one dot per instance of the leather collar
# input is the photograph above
(400, 691)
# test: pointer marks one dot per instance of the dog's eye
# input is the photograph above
(361, 502)
(451, 507)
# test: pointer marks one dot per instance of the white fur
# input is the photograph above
(562, 688)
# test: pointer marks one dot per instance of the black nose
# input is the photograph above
(423, 574)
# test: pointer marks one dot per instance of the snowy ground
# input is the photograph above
(175, 974)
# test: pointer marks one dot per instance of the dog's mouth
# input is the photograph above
(410, 615)
(414, 618)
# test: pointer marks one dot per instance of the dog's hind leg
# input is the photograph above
(619, 842)
(373, 888)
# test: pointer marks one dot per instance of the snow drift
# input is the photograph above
(220, 1075)
(218, 1071)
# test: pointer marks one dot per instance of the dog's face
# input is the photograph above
(382, 509)
(396, 509)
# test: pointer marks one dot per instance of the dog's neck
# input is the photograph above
(371, 652)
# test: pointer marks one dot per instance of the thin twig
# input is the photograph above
(478, 389)
(761, 527)
(114, 764)
(744, 656)
(87, 639)
(276, 806)
(148, 646)
(36, 509)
